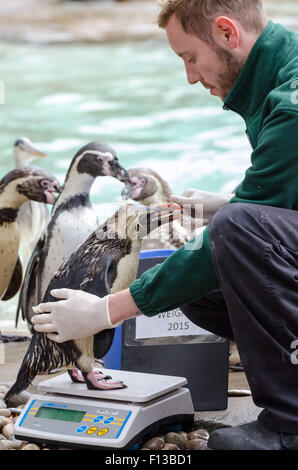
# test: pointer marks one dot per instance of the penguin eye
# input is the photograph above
(143, 181)
(99, 159)
(44, 183)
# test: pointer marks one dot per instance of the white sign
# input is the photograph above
(172, 323)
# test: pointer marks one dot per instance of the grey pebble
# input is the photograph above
(5, 412)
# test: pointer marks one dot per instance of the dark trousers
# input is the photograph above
(255, 255)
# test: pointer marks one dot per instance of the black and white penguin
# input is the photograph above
(106, 262)
(147, 187)
(72, 220)
(33, 216)
(16, 188)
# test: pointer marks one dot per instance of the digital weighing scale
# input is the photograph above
(69, 414)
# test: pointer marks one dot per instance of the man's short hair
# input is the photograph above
(196, 16)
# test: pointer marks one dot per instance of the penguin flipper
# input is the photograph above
(15, 282)
(28, 294)
(100, 286)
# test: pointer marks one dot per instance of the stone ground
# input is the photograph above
(240, 409)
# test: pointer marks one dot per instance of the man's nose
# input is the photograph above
(193, 76)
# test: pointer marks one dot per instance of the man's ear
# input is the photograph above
(225, 33)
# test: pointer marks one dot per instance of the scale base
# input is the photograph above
(168, 424)
(70, 415)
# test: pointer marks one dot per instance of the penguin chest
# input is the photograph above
(127, 268)
(70, 229)
(9, 246)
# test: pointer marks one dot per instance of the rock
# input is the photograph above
(15, 411)
(5, 412)
(2, 422)
(30, 446)
(198, 433)
(196, 444)
(144, 448)
(6, 420)
(2, 446)
(169, 446)
(8, 430)
(156, 443)
(183, 434)
(11, 444)
(175, 438)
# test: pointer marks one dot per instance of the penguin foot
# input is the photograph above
(93, 383)
(77, 376)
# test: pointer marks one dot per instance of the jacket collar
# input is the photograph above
(258, 75)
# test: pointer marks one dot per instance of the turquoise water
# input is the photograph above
(135, 97)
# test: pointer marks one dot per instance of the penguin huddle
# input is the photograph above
(74, 252)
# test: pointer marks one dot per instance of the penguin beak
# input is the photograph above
(33, 151)
(167, 212)
(133, 189)
(117, 171)
(51, 188)
(156, 215)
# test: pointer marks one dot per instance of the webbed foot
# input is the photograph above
(93, 383)
(77, 376)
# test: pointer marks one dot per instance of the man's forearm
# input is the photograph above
(122, 306)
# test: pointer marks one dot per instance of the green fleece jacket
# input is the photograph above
(266, 96)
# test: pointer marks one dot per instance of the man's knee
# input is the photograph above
(228, 216)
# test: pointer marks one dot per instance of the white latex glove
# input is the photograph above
(78, 315)
(211, 202)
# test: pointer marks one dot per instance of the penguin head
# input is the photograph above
(136, 221)
(25, 151)
(99, 159)
(31, 183)
(146, 186)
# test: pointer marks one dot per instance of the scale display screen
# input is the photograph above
(60, 414)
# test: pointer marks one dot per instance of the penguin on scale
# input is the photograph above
(106, 262)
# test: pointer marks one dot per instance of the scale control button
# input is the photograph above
(108, 420)
(97, 419)
(92, 430)
(81, 429)
(102, 431)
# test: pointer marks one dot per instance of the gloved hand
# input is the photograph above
(211, 202)
(78, 315)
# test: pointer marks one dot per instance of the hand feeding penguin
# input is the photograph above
(16, 188)
(106, 262)
(33, 216)
(147, 187)
(73, 220)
